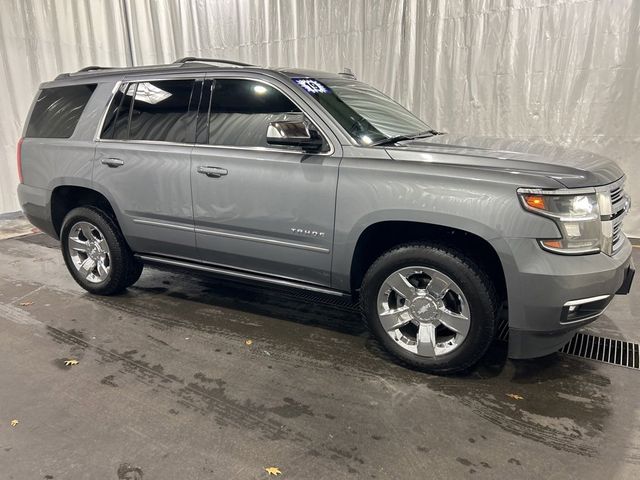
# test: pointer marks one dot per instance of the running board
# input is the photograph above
(238, 274)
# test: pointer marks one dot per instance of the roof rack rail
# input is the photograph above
(213, 60)
(93, 67)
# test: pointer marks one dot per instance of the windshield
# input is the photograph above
(366, 114)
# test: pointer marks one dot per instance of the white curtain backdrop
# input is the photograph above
(564, 71)
(39, 40)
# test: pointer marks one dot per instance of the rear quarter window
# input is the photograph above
(57, 111)
(159, 110)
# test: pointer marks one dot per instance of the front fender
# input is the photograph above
(373, 191)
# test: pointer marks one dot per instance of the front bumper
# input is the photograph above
(551, 296)
(625, 288)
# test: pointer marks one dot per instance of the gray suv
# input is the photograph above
(317, 181)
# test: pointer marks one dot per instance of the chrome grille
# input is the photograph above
(619, 208)
(616, 194)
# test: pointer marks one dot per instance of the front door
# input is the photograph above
(258, 208)
(142, 163)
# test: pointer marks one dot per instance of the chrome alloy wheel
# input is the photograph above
(424, 311)
(89, 252)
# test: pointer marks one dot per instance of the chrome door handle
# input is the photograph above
(213, 172)
(112, 162)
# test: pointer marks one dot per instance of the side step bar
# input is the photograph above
(217, 270)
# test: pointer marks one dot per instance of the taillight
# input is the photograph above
(19, 158)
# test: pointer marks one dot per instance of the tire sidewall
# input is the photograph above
(462, 272)
(98, 219)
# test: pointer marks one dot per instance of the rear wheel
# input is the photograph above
(430, 306)
(95, 252)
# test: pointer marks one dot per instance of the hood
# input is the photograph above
(571, 167)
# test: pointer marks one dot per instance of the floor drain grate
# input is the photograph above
(503, 330)
(607, 350)
(319, 298)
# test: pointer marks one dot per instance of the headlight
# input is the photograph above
(577, 217)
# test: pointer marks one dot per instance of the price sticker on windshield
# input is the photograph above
(311, 85)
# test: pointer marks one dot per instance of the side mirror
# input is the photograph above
(297, 133)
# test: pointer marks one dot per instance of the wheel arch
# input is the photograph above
(65, 198)
(383, 235)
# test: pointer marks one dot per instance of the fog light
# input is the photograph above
(573, 308)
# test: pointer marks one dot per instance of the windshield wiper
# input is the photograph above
(400, 138)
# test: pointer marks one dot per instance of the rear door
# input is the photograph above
(256, 207)
(143, 162)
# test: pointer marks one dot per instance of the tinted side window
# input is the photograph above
(57, 111)
(157, 110)
(241, 111)
(116, 122)
(160, 111)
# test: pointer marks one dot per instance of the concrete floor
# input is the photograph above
(166, 382)
(15, 225)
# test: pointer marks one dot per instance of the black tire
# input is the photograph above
(475, 284)
(125, 270)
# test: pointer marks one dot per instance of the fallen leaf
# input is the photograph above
(515, 396)
(248, 342)
(14, 423)
(273, 471)
(71, 361)
(25, 304)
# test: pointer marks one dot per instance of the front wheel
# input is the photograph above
(430, 306)
(95, 252)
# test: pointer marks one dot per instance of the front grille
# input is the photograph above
(616, 194)
(619, 207)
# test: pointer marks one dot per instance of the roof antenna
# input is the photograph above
(347, 73)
